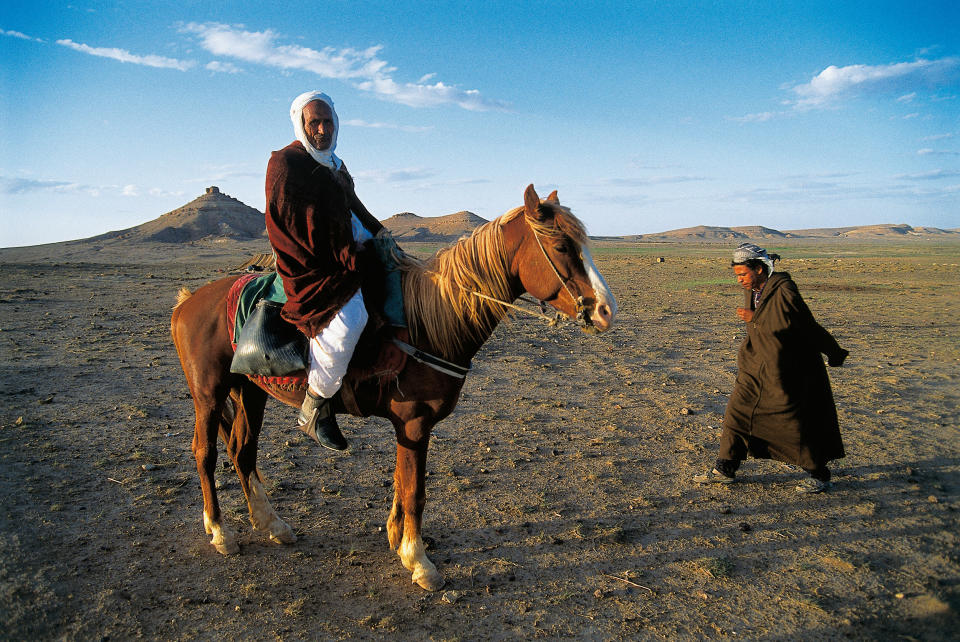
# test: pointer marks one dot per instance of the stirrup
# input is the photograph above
(319, 423)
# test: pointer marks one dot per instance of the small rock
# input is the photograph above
(745, 527)
(686, 411)
(149, 466)
(724, 510)
(932, 499)
(598, 594)
(452, 597)
(899, 596)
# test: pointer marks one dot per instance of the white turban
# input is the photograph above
(325, 157)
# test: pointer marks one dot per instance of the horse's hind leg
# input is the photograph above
(249, 402)
(209, 410)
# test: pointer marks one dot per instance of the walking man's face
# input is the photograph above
(749, 279)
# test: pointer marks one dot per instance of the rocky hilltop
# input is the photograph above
(407, 226)
(211, 215)
(704, 233)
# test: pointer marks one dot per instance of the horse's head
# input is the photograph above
(553, 263)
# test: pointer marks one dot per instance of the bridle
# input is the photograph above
(582, 319)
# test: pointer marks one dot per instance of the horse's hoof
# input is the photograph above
(429, 581)
(283, 536)
(226, 548)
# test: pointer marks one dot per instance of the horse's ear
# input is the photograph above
(531, 204)
(553, 198)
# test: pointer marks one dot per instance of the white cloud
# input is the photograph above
(11, 185)
(396, 175)
(361, 67)
(652, 180)
(911, 116)
(162, 193)
(222, 67)
(760, 117)
(907, 98)
(123, 55)
(18, 186)
(356, 122)
(17, 34)
(937, 137)
(926, 151)
(932, 175)
(835, 83)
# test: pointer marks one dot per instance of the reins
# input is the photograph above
(582, 319)
(554, 320)
(460, 372)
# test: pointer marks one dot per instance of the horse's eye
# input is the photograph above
(562, 248)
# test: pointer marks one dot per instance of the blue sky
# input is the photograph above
(646, 116)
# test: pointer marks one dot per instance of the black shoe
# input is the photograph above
(319, 422)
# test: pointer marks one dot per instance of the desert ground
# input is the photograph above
(559, 498)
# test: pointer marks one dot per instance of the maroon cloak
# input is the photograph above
(310, 229)
(782, 406)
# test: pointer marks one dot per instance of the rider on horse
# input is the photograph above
(317, 225)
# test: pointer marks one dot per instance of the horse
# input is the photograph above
(453, 302)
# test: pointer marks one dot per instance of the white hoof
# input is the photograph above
(429, 579)
(281, 533)
(224, 539)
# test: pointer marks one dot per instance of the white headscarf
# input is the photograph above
(748, 251)
(325, 157)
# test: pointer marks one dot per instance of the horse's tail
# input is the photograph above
(182, 296)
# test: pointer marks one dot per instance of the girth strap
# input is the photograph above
(432, 361)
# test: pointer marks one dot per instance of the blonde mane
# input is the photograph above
(438, 295)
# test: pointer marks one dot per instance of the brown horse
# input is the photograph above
(453, 303)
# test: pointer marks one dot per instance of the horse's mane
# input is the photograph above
(439, 304)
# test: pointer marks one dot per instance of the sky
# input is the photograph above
(646, 116)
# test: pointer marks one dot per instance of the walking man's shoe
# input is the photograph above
(713, 477)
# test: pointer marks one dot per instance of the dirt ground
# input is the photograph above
(559, 496)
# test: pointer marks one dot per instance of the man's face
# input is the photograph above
(747, 278)
(318, 124)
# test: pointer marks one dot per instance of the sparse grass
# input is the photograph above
(718, 567)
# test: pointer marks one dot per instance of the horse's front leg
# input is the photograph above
(408, 502)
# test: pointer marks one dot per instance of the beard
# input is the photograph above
(321, 142)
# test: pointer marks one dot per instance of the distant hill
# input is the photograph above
(872, 231)
(410, 227)
(704, 233)
(215, 216)
(211, 215)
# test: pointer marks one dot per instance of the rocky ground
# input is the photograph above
(560, 501)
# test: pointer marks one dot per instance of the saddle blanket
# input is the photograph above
(384, 363)
(241, 300)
